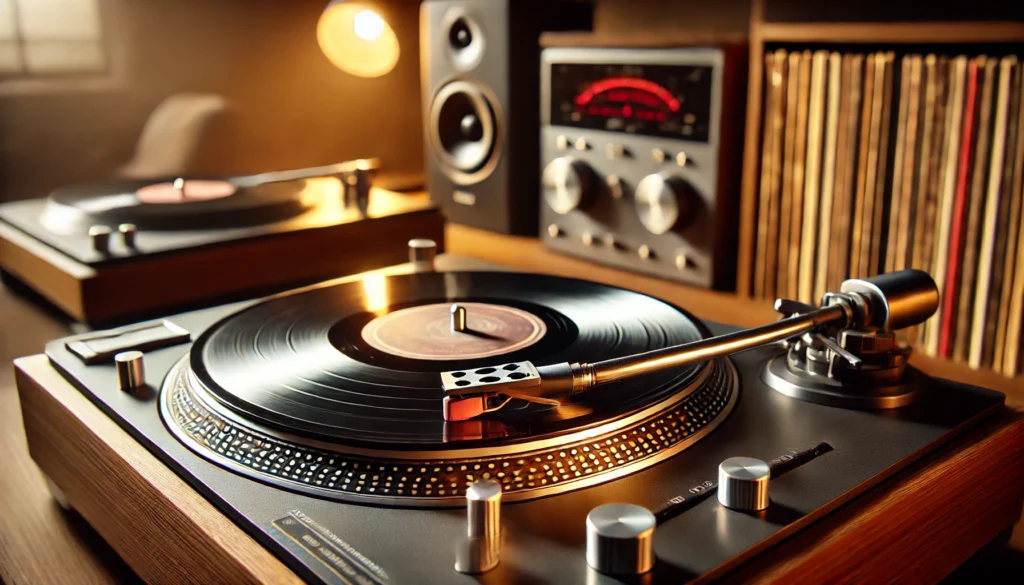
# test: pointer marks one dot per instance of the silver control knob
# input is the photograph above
(130, 373)
(567, 184)
(358, 184)
(128, 232)
(479, 551)
(614, 186)
(743, 484)
(421, 254)
(99, 235)
(664, 203)
(620, 539)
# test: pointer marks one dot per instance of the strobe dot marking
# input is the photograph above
(218, 438)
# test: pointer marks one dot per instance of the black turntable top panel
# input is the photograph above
(317, 362)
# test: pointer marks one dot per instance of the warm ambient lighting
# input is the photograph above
(356, 39)
(375, 293)
(368, 25)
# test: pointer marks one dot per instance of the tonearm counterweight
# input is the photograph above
(843, 353)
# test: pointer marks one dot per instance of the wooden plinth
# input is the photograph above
(213, 274)
(918, 526)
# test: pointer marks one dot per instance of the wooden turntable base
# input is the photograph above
(919, 525)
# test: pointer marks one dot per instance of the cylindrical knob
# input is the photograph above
(897, 299)
(422, 253)
(614, 186)
(130, 373)
(483, 509)
(620, 539)
(664, 203)
(100, 237)
(743, 484)
(479, 551)
(127, 231)
(567, 184)
(358, 184)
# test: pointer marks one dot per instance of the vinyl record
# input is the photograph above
(358, 363)
(155, 204)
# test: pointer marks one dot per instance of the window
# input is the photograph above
(50, 37)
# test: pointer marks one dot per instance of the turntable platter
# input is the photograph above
(158, 205)
(329, 369)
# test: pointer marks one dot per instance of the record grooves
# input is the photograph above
(295, 373)
(73, 209)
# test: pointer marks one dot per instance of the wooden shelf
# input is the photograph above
(528, 254)
(892, 32)
(640, 40)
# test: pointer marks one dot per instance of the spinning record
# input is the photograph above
(358, 363)
(171, 204)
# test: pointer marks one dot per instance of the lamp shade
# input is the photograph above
(356, 39)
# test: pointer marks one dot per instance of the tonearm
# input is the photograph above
(845, 344)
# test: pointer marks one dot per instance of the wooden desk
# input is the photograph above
(41, 544)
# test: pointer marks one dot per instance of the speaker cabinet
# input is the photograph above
(480, 73)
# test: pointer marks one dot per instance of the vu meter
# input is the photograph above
(640, 151)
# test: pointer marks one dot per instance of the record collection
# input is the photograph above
(876, 162)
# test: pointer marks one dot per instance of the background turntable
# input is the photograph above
(106, 252)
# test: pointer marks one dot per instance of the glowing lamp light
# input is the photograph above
(368, 25)
(356, 39)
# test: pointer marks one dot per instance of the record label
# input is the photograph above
(425, 333)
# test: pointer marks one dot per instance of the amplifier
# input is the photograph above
(641, 150)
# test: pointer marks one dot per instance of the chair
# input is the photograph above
(173, 134)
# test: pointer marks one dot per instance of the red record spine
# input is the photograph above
(949, 299)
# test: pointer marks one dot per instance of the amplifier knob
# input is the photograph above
(567, 184)
(664, 203)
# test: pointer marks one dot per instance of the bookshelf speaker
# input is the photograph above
(480, 62)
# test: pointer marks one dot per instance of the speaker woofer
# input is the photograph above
(464, 131)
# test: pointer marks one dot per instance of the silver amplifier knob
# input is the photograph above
(620, 539)
(743, 484)
(567, 184)
(664, 203)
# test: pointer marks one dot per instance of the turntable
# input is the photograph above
(109, 252)
(466, 425)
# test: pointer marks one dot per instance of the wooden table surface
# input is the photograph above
(39, 543)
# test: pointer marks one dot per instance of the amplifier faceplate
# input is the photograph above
(632, 146)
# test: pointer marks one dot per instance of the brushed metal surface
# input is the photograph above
(130, 372)
(743, 484)
(620, 539)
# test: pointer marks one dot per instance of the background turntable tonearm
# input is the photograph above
(843, 353)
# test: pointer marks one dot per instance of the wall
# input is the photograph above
(654, 16)
(290, 106)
